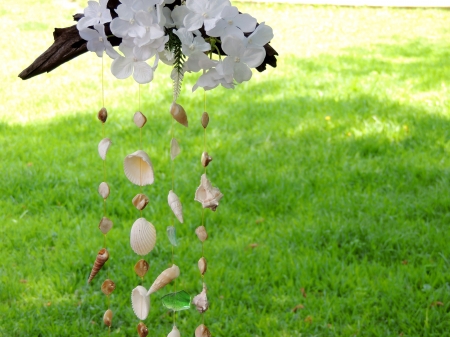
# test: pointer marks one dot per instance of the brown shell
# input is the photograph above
(205, 119)
(202, 331)
(108, 287)
(139, 119)
(208, 195)
(102, 115)
(140, 201)
(107, 317)
(202, 265)
(105, 225)
(142, 330)
(141, 268)
(178, 113)
(201, 233)
(100, 260)
(206, 159)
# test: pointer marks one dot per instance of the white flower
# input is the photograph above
(125, 25)
(191, 44)
(203, 12)
(212, 78)
(262, 35)
(178, 15)
(198, 61)
(169, 23)
(98, 41)
(94, 13)
(233, 23)
(152, 30)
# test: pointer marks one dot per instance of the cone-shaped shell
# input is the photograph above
(108, 287)
(140, 302)
(139, 119)
(202, 331)
(208, 195)
(107, 317)
(103, 147)
(141, 268)
(138, 168)
(205, 119)
(174, 149)
(175, 205)
(103, 190)
(201, 301)
(202, 265)
(100, 260)
(142, 237)
(102, 115)
(206, 159)
(178, 113)
(174, 333)
(201, 233)
(105, 225)
(140, 201)
(164, 278)
(142, 330)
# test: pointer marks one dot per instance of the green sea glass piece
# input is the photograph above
(172, 234)
(178, 301)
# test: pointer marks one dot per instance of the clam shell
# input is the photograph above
(108, 287)
(138, 168)
(206, 159)
(142, 237)
(103, 147)
(202, 331)
(100, 260)
(139, 119)
(178, 113)
(208, 195)
(201, 301)
(175, 205)
(205, 119)
(107, 317)
(141, 268)
(102, 115)
(140, 302)
(142, 330)
(140, 201)
(201, 233)
(103, 190)
(174, 333)
(164, 278)
(202, 265)
(174, 149)
(105, 225)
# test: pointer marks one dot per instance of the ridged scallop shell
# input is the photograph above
(174, 333)
(202, 331)
(140, 302)
(175, 205)
(208, 195)
(202, 265)
(139, 119)
(178, 113)
(105, 225)
(103, 147)
(107, 317)
(140, 201)
(201, 233)
(103, 190)
(206, 159)
(141, 268)
(142, 330)
(205, 119)
(138, 168)
(102, 115)
(108, 287)
(164, 278)
(100, 260)
(142, 237)
(174, 149)
(201, 300)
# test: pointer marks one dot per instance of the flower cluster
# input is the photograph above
(183, 36)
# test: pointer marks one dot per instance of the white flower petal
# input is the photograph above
(122, 67)
(229, 12)
(89, 34)
(143, 73)
(253, 57)
(233, 46)
(197, 6)
(242, 72)
(86, 22)
(168, 15)
(263, 34)
(193, 21)
(245, 22)
(120, 27)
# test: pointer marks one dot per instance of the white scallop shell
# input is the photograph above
(208, 195)
(142, 237)
(175, 332)
(140, 302)
(103, 190)
(174, 149)
(105, 225)
(138, 168)
(164, 278)
(139, 119)
(175, 205)
(103, 147)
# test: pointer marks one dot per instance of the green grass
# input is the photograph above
(335, 164)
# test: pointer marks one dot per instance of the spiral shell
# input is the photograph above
(103, 147)
(208, 195)
(100, 260)
(102, 115)
(202, 265)
(174, 333)
(108, 287)
(202, 331)
(164, 278)
(105, 225)
(175, 205)
(107, 317)
(140, 302)
(178, 113)
(174, 149)
(138, 168)
(201, 301)
(141, 268)
(201, 233)
(206, 159)
(139, 119)
(140, 201)
(205, 119)
(142, 237)
(142, 330)
(103, 190)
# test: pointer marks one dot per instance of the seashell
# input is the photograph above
(205, 119)
(141, 268)
(139, 119)
(108, 287)
(140, 302)
(178, 113)
(201, 301)
(102, 115)
(100, 260)
(105, 225)
(174, 333)
(138, 168)
(206, 159)
(140, 201)
(107, 317)
(164, 278)
(142, 237)
(202, 331)
(142, 330)
(201, 233)
(202, 265)
(103, 147)
(174, 149)
(208, 195)
(103, 190)
(175, 205)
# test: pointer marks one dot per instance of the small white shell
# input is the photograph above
(201, 233)
(164, 278)
(179, 114)
(208, 195)
(139, 119)
(142, 237)
(174, 149)
(103, 190)
(202, 265)
(138, 168)
(140, 302)
(103, 147)
(105, 225)
(202, 331)
(174, 333)
(140, 201)
(175, 205)
(201, 301)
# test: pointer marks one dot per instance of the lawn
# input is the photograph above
(334, 166)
